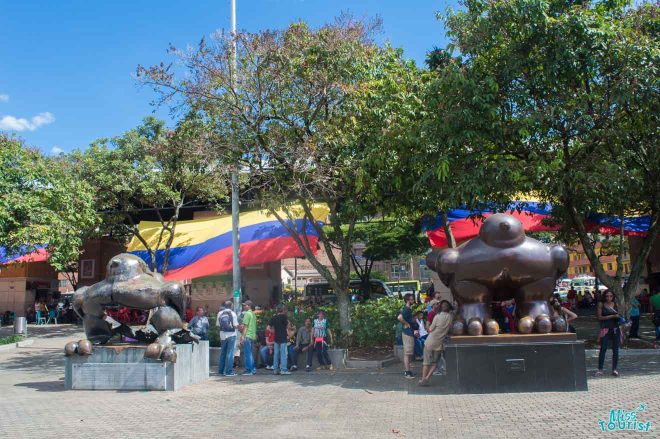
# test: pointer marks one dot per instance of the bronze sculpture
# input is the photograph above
(130, 283)
(501, 264)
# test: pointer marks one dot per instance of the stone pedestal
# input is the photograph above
(123, 367)
(515, 363)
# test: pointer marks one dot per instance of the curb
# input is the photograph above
(19, 344)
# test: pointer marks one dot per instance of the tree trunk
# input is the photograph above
(449, 235)
(623, 293)
(343, 306)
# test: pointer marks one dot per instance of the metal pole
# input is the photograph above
(295, 277)
(235, 194)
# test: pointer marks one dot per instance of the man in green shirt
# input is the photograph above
(249, 336)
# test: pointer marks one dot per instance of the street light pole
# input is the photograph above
(235, 189)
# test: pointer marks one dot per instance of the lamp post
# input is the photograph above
(235, 194)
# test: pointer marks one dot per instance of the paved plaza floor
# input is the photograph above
(344, 404)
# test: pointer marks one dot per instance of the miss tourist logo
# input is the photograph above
(624, 420)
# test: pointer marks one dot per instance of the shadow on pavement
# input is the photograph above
(44, 386)
(390, 379)
(33, 359)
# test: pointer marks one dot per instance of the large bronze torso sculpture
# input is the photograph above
(500, 264)
(130, 283)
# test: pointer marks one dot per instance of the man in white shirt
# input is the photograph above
(227, 322)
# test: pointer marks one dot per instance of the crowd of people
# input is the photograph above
(423, 336)
(277, 347)
(52, 311)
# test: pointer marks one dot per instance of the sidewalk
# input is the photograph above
(350, 403)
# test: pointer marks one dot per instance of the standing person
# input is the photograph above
(291, 346)
(634, 316)
(199, 325)
(408, 336)
(556, 310)
(654, 301)
(249, 336)
(280, 322)
(303, 344)
(320, 334)
(435, 341)
(609, 318)
(227, 321)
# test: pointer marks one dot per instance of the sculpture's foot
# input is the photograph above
(158, 351)
(154, 350)
(492, 327)
(71, 348)
(458, 327)
(468, 311)
(533, 308)
(81, 347)
(168, 355)
(475, 327)
(559, 324)
(543, 324)
(526, 325)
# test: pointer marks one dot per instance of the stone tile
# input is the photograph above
(345, 404)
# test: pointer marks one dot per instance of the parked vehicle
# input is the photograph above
(323, 293)
(405, 286)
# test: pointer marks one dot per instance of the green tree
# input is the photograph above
(564, 96)
(385, 240)
(43, 204)
(152, 169)
(311, 115)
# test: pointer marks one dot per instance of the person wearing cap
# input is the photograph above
(405, 317)
(199, 325)
(249, 336)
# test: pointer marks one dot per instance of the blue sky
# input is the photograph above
(66, 66)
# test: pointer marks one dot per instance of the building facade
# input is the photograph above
(579, 264)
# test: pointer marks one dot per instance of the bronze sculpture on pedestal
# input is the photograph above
(130, 283)
(501, 264)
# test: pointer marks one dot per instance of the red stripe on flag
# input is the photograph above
(468, 228)
(252, 253)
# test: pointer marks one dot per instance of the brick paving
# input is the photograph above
(360, 404)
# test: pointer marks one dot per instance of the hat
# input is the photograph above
(248, 303)
(434, 302)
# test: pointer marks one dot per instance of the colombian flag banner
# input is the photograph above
(203, 247)
(465, 224)
(39, 254)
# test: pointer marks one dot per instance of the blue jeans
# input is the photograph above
(266, 358)
(227, 356)
(419, 346)
(279, 357)
(248, 355)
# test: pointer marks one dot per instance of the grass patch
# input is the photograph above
(10, 340)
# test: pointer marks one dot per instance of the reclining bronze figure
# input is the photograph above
(130, 283)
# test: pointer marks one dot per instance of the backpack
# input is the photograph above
(226, 322)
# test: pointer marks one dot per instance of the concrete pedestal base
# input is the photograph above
(124, 367)
(516, 366)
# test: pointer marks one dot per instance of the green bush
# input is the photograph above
(373, 322)
(10, 340)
